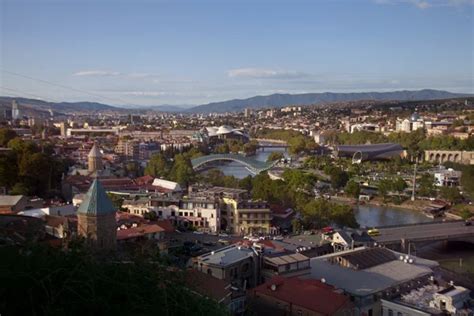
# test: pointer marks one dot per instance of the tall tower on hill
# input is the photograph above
(96, 218)
(94, 159)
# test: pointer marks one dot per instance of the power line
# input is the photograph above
(29, 94)
(64, 87)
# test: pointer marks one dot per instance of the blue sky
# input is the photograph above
(193, 52)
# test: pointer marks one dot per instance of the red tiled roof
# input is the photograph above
(138, 231)
(207, 285)
(166, 225)
(310, 294)
(144, 180)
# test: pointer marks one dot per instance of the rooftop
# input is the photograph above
(310, 294)
(96, 201)
(95, 152)
(371, 280)
(9, 200)
(227, 255)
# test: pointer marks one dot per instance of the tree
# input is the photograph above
(338, 177)
(426, 185)
(319, 213)
(450, 194)
(399, 185)
(157, 167)
(250, 148)
(75, 282)
(352, 189)
(274, 156)
(465, 213)
(182, 171)
(296, 145)
(8, 170)
(385, 185)
(6, 135)
(20, 189)
(222, 149)
(246, 183)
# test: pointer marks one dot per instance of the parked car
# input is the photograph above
(327, 229)
(467, 223)
(223, 242)
(278, 238)
(223, 235)
(373, 232)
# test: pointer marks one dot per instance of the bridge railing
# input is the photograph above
(420, 224)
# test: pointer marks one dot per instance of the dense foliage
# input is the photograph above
(297, 142)
(467, 176)
(413, 142)
(48, 281)
(30, 170)
(176, 168)
(320, 213)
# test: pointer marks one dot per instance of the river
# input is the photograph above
(366, 215)
(374, 216)
(237, 170)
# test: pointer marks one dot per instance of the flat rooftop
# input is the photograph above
(227, 255)
(371, 280)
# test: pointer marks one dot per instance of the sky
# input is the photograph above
(145, 52)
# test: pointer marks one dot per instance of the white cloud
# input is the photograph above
(97, 73)
(260, 73)
(140, 75)
(425, 4)
(422, 4)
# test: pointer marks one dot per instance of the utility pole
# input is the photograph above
(414, 180)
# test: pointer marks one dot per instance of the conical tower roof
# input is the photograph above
(96, 201)
(95, 152)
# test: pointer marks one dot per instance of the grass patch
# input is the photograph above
(467, 266)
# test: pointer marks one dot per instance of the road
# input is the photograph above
(432, 231)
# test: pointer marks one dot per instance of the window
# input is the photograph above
(300, 312)
(180, 213)
(160, 213)
(173, 213)
(399, 314)
(390, 312)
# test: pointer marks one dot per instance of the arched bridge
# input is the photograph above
(254, 166)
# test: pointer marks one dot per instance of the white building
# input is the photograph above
(431, 299)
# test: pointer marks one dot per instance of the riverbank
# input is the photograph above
(417, 205)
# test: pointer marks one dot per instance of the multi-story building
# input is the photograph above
(447, 177)
(199, 212)
(246, 217)
(238, 264)
(128, 149)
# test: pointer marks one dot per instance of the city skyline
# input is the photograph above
(152, 53)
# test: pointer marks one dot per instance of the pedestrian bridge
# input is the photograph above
(253, 165)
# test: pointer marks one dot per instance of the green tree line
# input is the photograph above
(29, 169)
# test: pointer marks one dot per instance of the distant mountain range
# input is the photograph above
(40, 106)
(236, 105)
(281, 100)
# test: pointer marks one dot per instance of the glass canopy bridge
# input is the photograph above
(253, 165)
